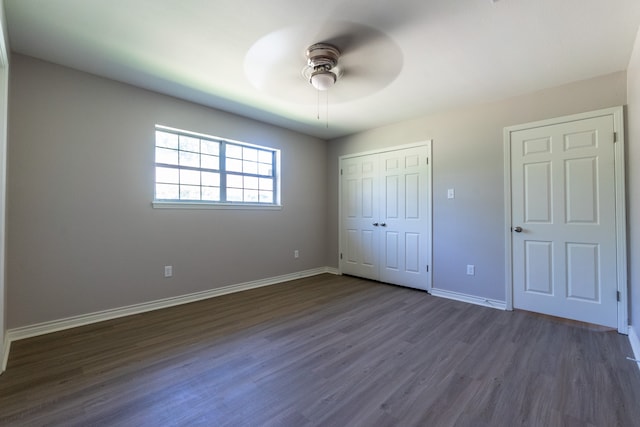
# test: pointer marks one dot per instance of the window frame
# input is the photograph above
(223, 172)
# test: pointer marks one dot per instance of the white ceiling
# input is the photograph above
(402, 59)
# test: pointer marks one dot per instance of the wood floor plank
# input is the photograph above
(324, 351)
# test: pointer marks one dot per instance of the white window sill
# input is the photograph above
(204, 205)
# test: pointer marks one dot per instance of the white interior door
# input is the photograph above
(404, 217)
(564, 220)
(359, 216)
(386, 216)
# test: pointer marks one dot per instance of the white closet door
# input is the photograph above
(360, 201)
(386, 216)
(404, 219)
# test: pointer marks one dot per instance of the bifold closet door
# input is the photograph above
(360, 200)
(404, 226)
(385, 213)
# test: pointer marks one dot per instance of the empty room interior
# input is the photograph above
(301, 213)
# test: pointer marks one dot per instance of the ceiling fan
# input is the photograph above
(322, 69)
(362, 58)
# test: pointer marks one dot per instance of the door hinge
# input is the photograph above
(340, 171)
(427, 268)
(427, 160)
(618, 295)
(615, 137)
(340, 255)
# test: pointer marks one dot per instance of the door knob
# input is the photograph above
(375, 224)
(384, 224)
(517, 229)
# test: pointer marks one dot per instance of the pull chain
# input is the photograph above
(327, 110)
(326, 107)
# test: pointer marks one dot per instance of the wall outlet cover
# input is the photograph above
(471, 270)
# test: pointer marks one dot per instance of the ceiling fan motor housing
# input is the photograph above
(322, 56)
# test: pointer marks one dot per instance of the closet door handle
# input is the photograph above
(375, 224)
(384, 224)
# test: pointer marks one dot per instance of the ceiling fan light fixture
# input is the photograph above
(321, 70)
(322, 79)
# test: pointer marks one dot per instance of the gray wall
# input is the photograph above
(468, 156)
(82, 235)
(633, 181)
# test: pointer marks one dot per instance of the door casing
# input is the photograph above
(621, 236)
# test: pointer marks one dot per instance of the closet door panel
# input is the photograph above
(360, 205)
(405, 216)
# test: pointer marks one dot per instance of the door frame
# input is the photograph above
(617, 114)
(425, 143)
(4, 107)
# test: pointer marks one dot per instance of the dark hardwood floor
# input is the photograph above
(326, 350)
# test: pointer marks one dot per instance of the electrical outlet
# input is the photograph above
(168, 271)
(296, 254)
(451, 194)
(471, 269)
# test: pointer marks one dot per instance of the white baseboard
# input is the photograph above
(334, 271)
(5, 356)
(86, 319)
(635, 343)
(457, 296)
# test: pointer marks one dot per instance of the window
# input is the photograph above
(200, 169)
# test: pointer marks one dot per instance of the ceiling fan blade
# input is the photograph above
(359, 81)
(349, 37)
(354, 23)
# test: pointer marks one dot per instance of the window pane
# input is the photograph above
(210, 147)
(167, 175)
(250, 167)
(264, 169)
(266, 196)
(251, 182)
(234, 165)
(250, 154)
(189, 144)
(164, 139)
(266, 184)
(234, 181)
(234, 151)
(189, 192)
(234, 194)
(265, 157)
(189, 177)
(164, 155)
(189, 159)
(211, 179)
(167, 192)
(211, 194)
(210, 162)
(251, 196)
